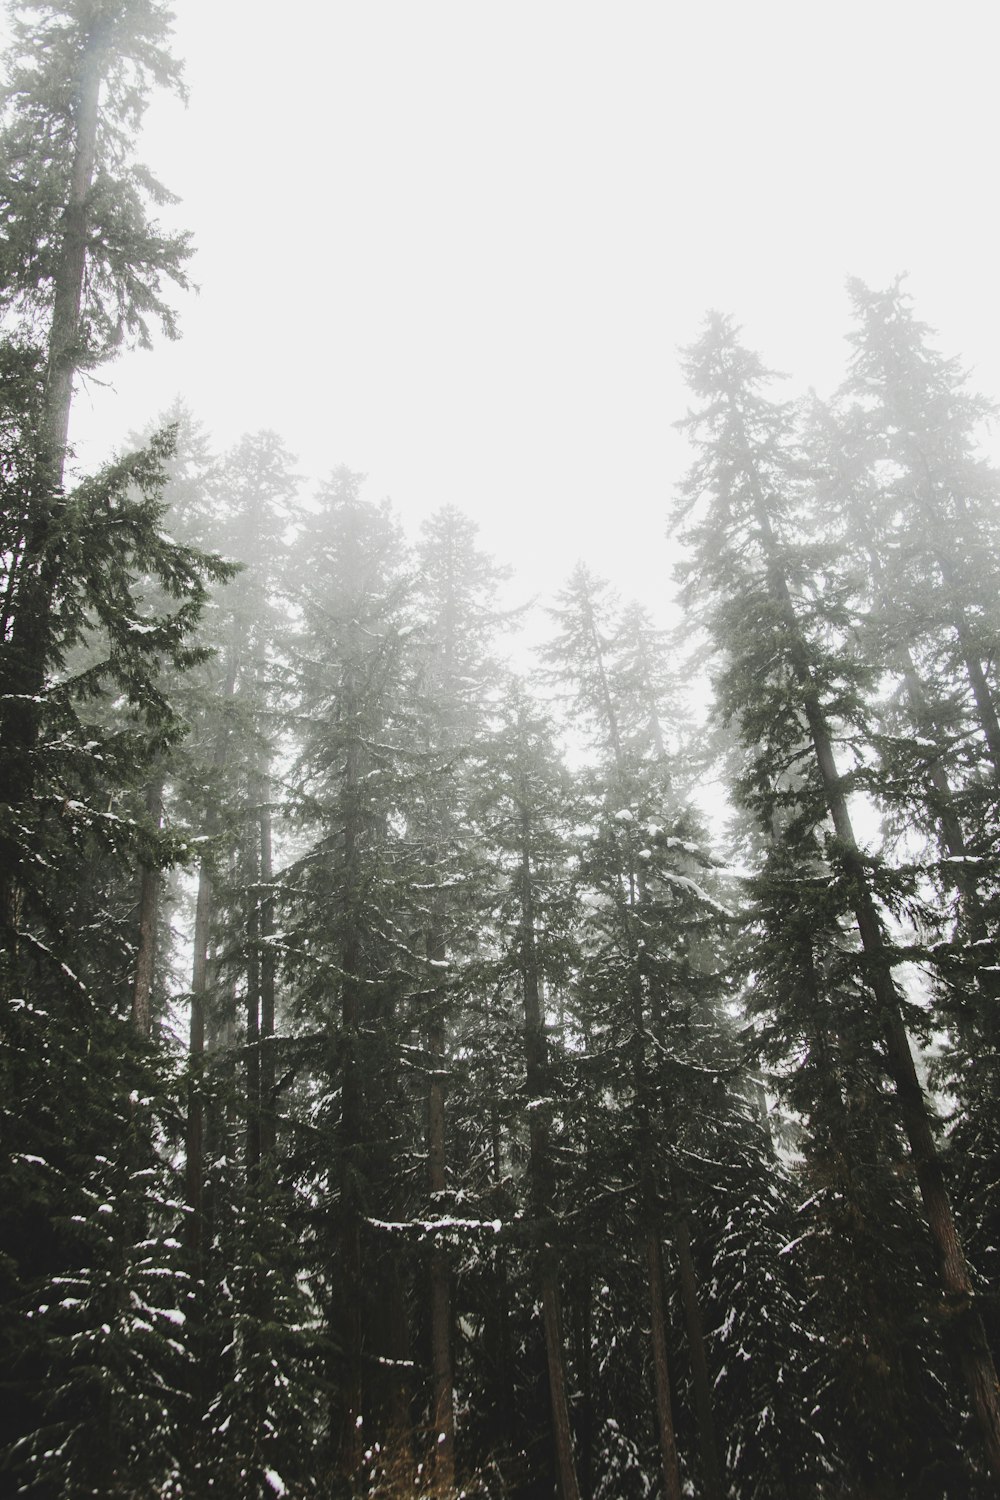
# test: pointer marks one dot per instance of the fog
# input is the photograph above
(457, 246)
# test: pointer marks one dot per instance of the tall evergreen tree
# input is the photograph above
(524, 813)
(80, 271)
(775, 613)
(455, 592)
(349, 939)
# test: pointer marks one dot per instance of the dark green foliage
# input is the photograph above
(128, 253)
(470, 1033)
(791, 679)
(94, 1292)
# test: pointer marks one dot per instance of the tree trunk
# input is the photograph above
(268, 1103)
(442, 1378)
(497, 1321)
(195, 1142)
(149, 896)
(398, 1370)
(352, 1102)
(669, 1463)
(551, 1322)
(711, 1472)
(195, 1138)
(582, 1337)
(253, 1127)
(350, 1200)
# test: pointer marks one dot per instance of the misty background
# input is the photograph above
(457, 246)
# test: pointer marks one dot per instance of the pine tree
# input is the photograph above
(906, 473)
(455, 598)
(655, 994)
(100, 609)
(524, 811)
(776, 611)
(69, 964)
(79, 273)
(349, 945)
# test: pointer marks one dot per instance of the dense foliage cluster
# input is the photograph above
(404, 1092)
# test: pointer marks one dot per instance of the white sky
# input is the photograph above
(456, 244)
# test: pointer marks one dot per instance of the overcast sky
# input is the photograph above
(456, 244)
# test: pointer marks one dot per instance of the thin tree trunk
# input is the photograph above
(552, 1324)
(195, 1137)
(585, 1366)
(399, 1371)
(970, 1339)
(669, 1463)
(13, 567)
(253, 1126)
(204, 903)
(442, 1378)
(498, 1337)
(149, 896)
(708, 1443)
(352, 1101)
(350, 1166)
(268, 1103)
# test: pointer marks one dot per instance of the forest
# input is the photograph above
(438, 1064)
